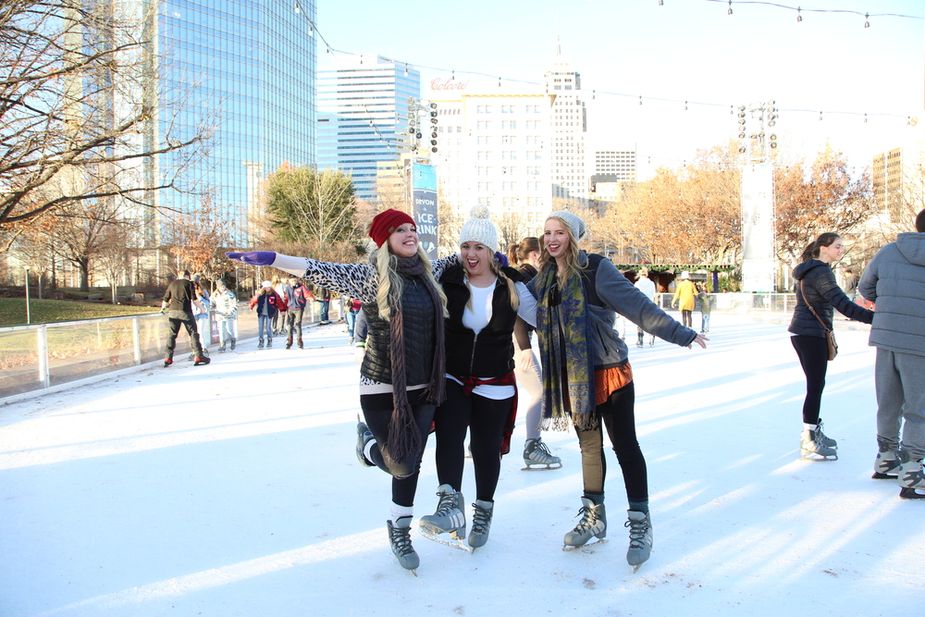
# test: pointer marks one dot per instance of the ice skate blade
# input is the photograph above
(813, 457)
(910, 493)
(447, 539)
(883, 476)
(587, 547)
(541, 466)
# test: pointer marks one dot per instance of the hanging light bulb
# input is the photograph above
(867, 20)
(729, 12)
(799, 16)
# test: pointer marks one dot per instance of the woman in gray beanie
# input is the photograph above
(587, 378)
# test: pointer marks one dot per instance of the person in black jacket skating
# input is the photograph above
(483, 301)
(816, 286)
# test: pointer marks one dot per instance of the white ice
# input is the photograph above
(233, 489)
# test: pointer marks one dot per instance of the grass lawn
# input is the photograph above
(13, 311)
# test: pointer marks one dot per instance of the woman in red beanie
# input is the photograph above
(402, 375)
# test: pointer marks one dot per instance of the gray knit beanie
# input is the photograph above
(574, 222)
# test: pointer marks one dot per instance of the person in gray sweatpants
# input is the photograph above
(895, 280)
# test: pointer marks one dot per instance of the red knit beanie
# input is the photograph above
(385, 223)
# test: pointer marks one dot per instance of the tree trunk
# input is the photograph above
(84, 264)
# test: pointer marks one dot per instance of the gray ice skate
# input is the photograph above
(400, 540)
(447, 524)
(886, 465)
(364, 436)
(911, 477)
(814, 445)
(593, 524)
(640, 526)
(481, 522)
(538, 456)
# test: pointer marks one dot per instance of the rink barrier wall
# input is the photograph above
(49, 357)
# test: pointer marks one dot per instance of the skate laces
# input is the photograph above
(588, 521)
(446, 504)
(401, 539)
(481, 519)
(638, 529)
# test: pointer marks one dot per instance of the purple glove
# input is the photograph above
(501, 258)
(254, 258)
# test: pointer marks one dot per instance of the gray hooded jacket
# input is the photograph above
(895, 280)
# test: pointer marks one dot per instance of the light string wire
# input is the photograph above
(909, 118)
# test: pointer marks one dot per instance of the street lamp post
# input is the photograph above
(28, 313)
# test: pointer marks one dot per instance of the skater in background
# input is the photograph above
(201, 309)
(403, 375)
(225, 306)
(647, 287)
(525, 257)
(323, 298)
(483, 301)
(895, 280)
(297, 297)
(353, 309)
(279, 320)
(706, 307)
(587, 378)
(266, 302)
(816, 289)
(684, 298)
(177, 304)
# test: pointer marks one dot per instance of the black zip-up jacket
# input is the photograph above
(823, 292)
(491, 353)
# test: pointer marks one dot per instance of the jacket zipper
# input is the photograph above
(475, 340)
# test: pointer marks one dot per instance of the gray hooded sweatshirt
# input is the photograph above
(895, 280)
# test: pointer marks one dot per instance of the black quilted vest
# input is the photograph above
(491, 354)
(418, 326)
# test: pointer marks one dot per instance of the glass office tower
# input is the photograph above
(247, 67)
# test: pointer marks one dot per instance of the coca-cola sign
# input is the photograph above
(447, 84)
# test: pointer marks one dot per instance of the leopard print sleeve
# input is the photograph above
(439, 265)
(358, 280)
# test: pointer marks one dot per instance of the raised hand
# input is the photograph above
(254, 258)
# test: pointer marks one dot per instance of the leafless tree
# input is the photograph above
(81, 111)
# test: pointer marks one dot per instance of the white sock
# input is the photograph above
(398, 512)
(809, 427)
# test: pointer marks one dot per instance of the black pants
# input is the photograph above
(687, 318)
(617, 415)
(190, 324)
(485, 419)
(377, 409)
(813, 353)
(294, 322)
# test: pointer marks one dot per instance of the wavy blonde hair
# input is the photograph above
(571, 257)
(390, 282)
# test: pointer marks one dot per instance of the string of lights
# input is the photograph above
(687, 104)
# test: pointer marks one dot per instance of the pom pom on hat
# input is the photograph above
(480, 229)
(573, 221)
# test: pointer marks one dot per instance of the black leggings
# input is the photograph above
(485, 419)
(813, 353)
(377, 409)
(617, 416)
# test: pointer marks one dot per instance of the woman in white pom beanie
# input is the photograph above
(484, 300)
(587, 378)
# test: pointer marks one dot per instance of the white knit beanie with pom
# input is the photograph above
(480, 229)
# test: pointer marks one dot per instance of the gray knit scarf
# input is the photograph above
(404, 434)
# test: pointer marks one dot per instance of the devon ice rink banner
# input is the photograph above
(424, 198)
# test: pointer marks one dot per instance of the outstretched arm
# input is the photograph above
(358, 280)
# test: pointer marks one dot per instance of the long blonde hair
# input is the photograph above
(390, 282)
(572, 266)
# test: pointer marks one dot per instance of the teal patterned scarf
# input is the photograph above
(562, 331)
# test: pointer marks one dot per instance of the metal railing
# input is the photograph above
(39, 357)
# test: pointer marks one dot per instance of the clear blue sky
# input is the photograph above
(684, 50)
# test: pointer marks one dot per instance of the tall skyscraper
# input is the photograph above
(569, 125)
(249, 67)
(619, 163)
(363, 116)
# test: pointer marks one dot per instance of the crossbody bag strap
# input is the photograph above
(811, 309)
